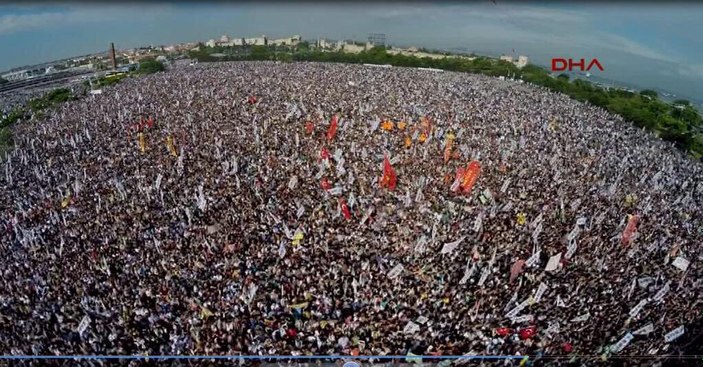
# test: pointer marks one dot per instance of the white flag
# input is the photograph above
(523, 318)
(533, 259)
(293, 182)
(674, 334)
(622, 343)
(540, 292)
(662, 292)
(644, 330)
(83, 326)
(681, 263)
(393, 273)
(553, 262)
(636, 310)
(449, 247)
(582, 318)
(421, 244)
(411, 328)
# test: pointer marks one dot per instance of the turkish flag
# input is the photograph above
(528, 333)
(345, 208)
(324, 153)
(325, 184)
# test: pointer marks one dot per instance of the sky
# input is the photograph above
(648, 45)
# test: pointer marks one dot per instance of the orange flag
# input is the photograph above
(448, 147)
(389, 178)
(469, 176)
(332, 130)
(630, 229)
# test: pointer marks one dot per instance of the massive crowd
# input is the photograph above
(210, 210)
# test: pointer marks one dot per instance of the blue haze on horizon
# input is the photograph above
(647, 45)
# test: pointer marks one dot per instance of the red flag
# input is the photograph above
(345, 208)
(251, 100)
(389, 178)
(332, 130)
(630, 229)
(325, 184)
(150, 122)
(516, 269)
(503, 331)
(470, 176)
(324, 153)
(528, 333)
(309, 127)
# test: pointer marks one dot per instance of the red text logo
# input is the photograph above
(559, 64)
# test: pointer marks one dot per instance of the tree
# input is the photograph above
(682, 102)
(650, 93)
(3, 80)
(150, 66)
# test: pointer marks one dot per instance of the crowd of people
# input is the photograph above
(214, 210)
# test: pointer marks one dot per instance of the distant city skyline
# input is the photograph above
(650, 45)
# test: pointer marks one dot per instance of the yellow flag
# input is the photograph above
(170, 146)
(297, 237)
(402, 125)
(142, 142)
(205, 313)
(299, 305)
(408, 142)
(422, 137)
(630, 199)
(448, 147)
(524, 361)
(521, 218)
(65, 201)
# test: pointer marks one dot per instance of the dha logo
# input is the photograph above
(570, 63)
(350, 364)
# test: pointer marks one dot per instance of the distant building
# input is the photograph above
(256, 41)
(290, 41)
(522, 61)
(325, 44)
(506, 58)
(211, 43)
(237, 42)
(224, 39)
(352, 47)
